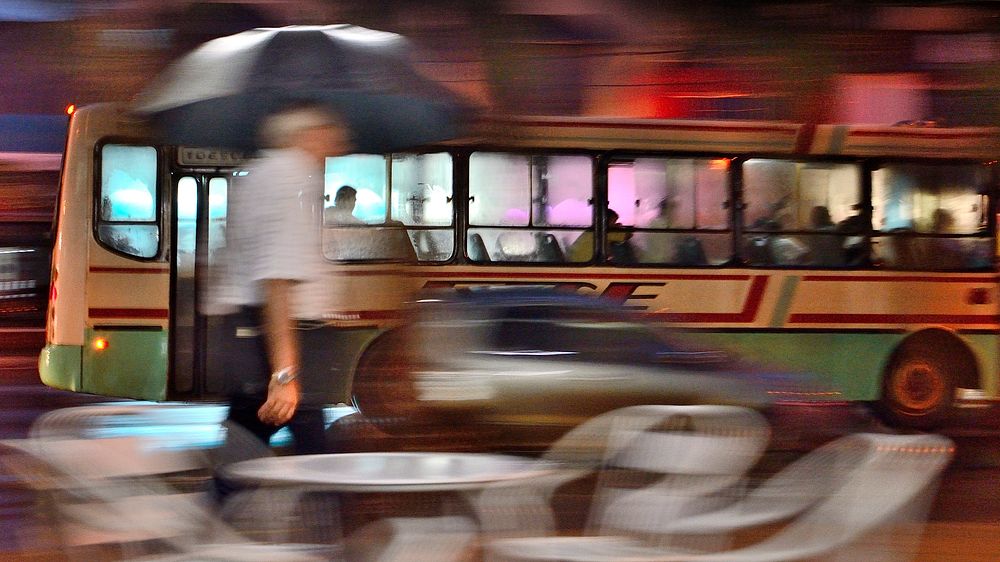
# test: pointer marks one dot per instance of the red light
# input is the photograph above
(70, 109)
(100, 344)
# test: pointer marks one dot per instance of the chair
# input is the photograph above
(272, 513)
(118, 492)
(692, 456)
(878, 480)
(654, 462)
(413, 539)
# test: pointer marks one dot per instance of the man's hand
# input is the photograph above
(283, 352)
(282, 400)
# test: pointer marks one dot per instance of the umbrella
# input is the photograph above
(217, 94)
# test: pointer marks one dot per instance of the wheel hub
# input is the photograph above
(918, 386)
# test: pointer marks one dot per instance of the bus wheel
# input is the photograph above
(383, 388)
(917, 391)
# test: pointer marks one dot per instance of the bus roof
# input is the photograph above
(694, 136)
(737, 137)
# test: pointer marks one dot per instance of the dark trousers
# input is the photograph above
(244, 355)
(307, 425)
(247, 374)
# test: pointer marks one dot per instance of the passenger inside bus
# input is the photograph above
(902, 251)
(659, 247)
(854, 229)
(825, 248)
(342, 211)
(946, 253)
(772, 248)
(619, 245)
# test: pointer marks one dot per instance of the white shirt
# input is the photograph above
(273, 231)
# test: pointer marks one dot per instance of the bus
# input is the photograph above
(864, 254)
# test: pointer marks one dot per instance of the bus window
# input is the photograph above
(218, 196)
(930, 216)
(421, 200)
(127, 200)
(802, 214)
(365, 173)
(187, 206)
(365, 219)
(678, 207)
(529, 208)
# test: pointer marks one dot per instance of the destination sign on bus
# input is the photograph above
(189, 156)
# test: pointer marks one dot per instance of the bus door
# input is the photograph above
(199, 232)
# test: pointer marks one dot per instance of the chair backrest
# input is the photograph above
(792, 490)
(690, 251)
(477, 248)
(112, 491)
(515, 245)
(549, 250)
(885, 478)
(616, 442)
(665, 462)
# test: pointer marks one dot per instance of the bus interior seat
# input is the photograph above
(516, 246)
(425, 245)
(400, 246)
(689, 251)
(548, 248)
(477, 249)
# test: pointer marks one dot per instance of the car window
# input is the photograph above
(574, 333)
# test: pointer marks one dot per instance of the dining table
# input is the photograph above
(428, 499)
(390, 471)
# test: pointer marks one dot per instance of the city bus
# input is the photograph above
(862, 253)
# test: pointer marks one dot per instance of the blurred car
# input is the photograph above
(24, 283)
(512, 369)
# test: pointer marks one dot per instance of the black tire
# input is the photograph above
(383, 389)
(918, 391)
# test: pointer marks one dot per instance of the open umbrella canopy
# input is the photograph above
(217, 94)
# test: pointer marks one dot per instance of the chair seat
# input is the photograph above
(578, 549)
(249, 552)
(148, 517)
(413, 539)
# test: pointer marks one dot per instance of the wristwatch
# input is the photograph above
(284, 376)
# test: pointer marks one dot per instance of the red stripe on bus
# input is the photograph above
(749, 313)
(97, 269)
(581, 276)
(128, 312)
(788, 130)
(900, 279)
(804, 140)
(818, 318)
(920, 133)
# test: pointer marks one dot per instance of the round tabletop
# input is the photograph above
(389, 472)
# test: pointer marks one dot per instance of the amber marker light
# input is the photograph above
(719, 164)
(100, 344)
(70, 109)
